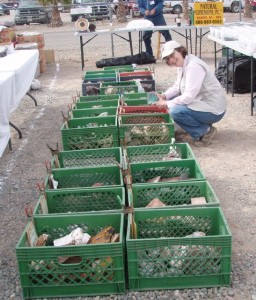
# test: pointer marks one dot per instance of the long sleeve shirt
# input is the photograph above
(197, 87)
(144, 5)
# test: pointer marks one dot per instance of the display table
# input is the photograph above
(17, 71)
(184, 31)
(7, 88)
(23, 64)
(235, 47)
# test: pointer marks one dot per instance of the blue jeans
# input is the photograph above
(195, 123)
(157, 21)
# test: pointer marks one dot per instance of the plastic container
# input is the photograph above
(173, 195)
(77, 201)
(98, 268)
(94, 112)
(124, 110)
(96, 104)
(93, 98)
(119, 88)
(134, 102)
(74, 178)
(169, 171)
(167, 255)
(153, 153)
(88, 158)
(136, 130)
(88, 133)
(91, 86)
(137, 96)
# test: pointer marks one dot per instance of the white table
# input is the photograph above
(235, 46)
(7, 87)
(17, 71)
(117, 31)
(23, 64)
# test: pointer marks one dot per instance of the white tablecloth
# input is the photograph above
(7, 88)
(23, 64)
(17, 71)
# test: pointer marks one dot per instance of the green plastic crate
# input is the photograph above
(96, 104)
(99, 269)
(118, 89)
(86, 177)
(165, 256)
(136, 130)
(76, 201)
(98, 98)
(94, 112)
(143, 172)
(88, 158)
(134, 102)
(100, 74)
(175, 194)
(83, 133)
(135, 96)
(150, 153)
(117, 68)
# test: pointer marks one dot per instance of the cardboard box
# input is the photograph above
(49, 56)
(31, 37)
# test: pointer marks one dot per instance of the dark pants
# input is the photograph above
(157, 21)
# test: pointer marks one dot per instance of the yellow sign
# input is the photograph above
(208, 13)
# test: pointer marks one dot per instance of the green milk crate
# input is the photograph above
(133, 102)
(169, 171)
(100, 74)
(77, 201)
(117, 68)
(94, 112)
(88, 158)
(170, 252)
(95, 104)
(73, 270)
(134, 96)
(93, 98)
(174, 194)
(136, 130)
(90, 133)
(114, 89)
(154, 153)
(100, 176)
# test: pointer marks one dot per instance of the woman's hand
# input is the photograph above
(161, 103)
(161, 97)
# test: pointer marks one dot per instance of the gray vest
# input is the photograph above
(211, 97)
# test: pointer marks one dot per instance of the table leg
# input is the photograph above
(130, 42)
(215, 55)
(16, 128)
(33, 98)
(252, 84)
(227, 71)
(233, 71)
(82, 51)
(10, 144)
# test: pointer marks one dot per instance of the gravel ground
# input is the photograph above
(228, 163)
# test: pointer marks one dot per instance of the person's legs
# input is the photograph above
(195, 123)
(166, 34)
(147, 41)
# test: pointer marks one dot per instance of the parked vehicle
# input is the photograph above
(89, 10)
(131, 7)
(232, 5)
(5, 10)
(31, 11)
(173, 6)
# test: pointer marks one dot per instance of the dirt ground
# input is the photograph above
(228, 164)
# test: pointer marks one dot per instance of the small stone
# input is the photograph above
(176, 293)
(253, 297)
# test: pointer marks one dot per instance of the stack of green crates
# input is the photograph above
(93, 79)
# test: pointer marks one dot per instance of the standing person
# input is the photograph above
(152, 10)
(197, 99)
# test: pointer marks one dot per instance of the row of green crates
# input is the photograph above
(86, 131)
(95, 81)
(164, 254)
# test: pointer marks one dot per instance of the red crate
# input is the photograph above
(147, 109)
